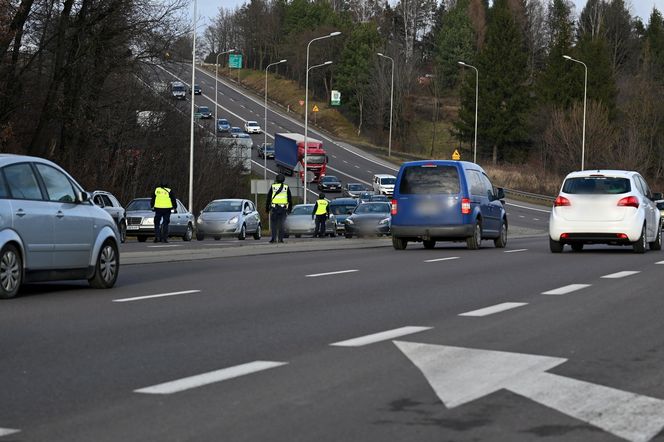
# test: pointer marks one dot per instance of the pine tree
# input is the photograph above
(455, 42)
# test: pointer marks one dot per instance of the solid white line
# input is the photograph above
(660, 262)
(526, 207)
(515, 250)
(161, 295)
(8, 431)
(618, 275)
(442, 259)
(209, 378)
(378, 337)
(566, 289)
(314, 275)
(494, 309)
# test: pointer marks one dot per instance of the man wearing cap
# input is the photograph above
(162, 202)
(321, 212)
(279, 204)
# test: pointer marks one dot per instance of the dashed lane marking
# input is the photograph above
(379, 337)
(315, 275)
(566, 289)
(528, 208)
(494, 309)
(357, 167)
(515, 250)
(160, 295)
(536, 219)
(619, 275)
(8, 431)
(660, 262)
(211, 377)
(164, 246)
(449, 258)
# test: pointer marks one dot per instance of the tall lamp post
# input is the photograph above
(477, 96)
(216, 83)
(389, 141)
(265, 123)
(585, 91)
(191, 136)
(306, 104)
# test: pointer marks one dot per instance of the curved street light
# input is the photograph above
(585, 90)
(477, 95)
(389, 141)
(216, 83)
(265, 123)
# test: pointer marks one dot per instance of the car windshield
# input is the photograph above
(302, 209)
(178, 88)
(596, 185)
(223, 123)
(341, 209)
(315, 159)
(236, 129)
(252, 123)
(387, 181)
(429, 179)
(268, 147)
(330, 179)
(224, 206)
(373, 208)
(355, 187)
(203, 109)
(142, 204)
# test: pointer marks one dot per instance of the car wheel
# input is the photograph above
(555, 246)
(399, 243)
(333, 234)
(474, 242)
(577, 246)
(640, 244)
(243, 233)
(142, 238)
(298, 236)
(217, 238)
(257, 234)
(107, 267)
(348, 235)
(501, 241)
(123, 231)
(429, 244)
(657, 243)
(200, 236)
(11, 271)
(189, 234)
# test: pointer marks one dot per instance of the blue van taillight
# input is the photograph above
(393, 209)
(465, 206)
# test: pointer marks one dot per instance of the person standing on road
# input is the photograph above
(321, 212)
(162, 202)
(278, 204)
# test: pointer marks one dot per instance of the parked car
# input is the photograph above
(354, 190)
(341, 208)
(236, 132)
(228, 217)
(368, 219)
(49, 228)
(197, 89)
(266, 150)
(252, 127)
(140, 220)
(446, 201)
(300, 222)
(613, 207)
(112, 206)
(223, 126)
(329, 183)
(384, 184)
(204, 111)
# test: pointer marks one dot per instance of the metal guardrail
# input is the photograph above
(535, 196)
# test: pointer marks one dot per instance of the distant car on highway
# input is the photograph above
(266, 150)
(329, 183)
(354, 190)
(228, 217)
(365, 196)
(223, 126)
(50, 230)
(236, 132)
(178, 90)
(112, 206)
(252, 127)
(197, 90)
(383, 184)
(368, 219)
(341, 208)
(300, 222)
(379, 198)
(439, 200)
(614, 207)
(204, 111)
(140, 220)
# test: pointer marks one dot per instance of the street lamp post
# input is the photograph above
(306, 104)
(389, 141)
(585, 91)
(216, 83)
(477, 96)
(191, 136)
(265, 122)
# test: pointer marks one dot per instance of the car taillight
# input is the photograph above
(393, 210)
(629, 201)
(465, 206)
(561, 201)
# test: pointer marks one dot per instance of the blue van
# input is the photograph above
(446, 201)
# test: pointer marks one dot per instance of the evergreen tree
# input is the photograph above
(601, 81)
(654, 43)
(455, 42)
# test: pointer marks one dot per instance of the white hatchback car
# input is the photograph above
(613, 207)
(252, 127)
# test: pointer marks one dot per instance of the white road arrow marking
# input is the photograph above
(461, 375)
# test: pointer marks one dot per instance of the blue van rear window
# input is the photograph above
(429, 180)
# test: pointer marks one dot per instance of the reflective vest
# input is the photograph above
(321, 209)
(280, 197)
(162, 198)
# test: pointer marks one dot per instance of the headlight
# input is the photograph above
(233, 220)
(148, 221)
(384, 221)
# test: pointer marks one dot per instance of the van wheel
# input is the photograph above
(257, 233)
(657, 243)
(640, 244)
(474, 242)
(501, 241)
(11, 271)
(107, 267)
(429, 244)
(399, 243)
(555, 246)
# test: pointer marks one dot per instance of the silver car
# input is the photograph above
(140, 220)
(229, 217)
(300, 222)
(110, 204)
(49, 228)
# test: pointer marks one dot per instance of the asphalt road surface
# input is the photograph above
(449, 344)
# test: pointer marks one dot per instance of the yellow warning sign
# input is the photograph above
(315, 109)
(456, 155)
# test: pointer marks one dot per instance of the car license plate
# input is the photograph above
(427, 208)
(132, 227)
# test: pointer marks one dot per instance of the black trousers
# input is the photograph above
(162, 218)
(320, 225)
(277, 220)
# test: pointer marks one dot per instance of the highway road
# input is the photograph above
(369, 344)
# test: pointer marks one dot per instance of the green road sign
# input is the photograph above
(235, 61)
(335, 98)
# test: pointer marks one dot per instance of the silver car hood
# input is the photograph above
(219, 216)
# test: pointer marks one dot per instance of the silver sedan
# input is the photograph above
(228, 217)
(299, 222)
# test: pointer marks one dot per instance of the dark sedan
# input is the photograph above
(329, 183)
(266, 150)
(369, 219)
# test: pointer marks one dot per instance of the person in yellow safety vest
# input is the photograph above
(162, 202)
(321, 212)
(278, 204)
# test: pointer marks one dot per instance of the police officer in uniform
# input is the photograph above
(279, 204)
(321, 212)
(163, 202)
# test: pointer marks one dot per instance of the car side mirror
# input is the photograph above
(82, 197)
(657, 196)
(500, 193)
